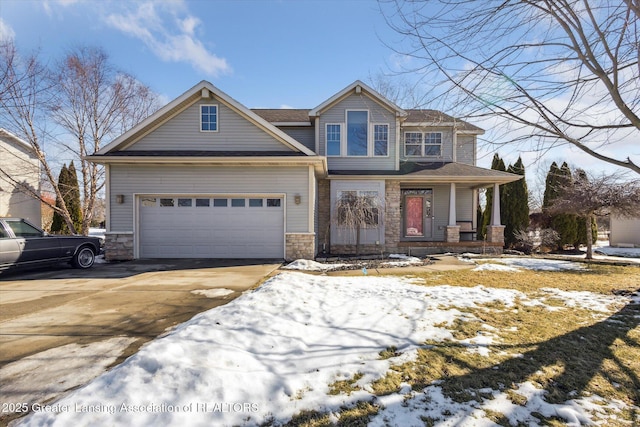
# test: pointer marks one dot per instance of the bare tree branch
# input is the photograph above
(567, 70)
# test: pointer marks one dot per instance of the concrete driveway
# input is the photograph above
(61, 327)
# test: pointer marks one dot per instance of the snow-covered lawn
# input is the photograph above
(279, 350)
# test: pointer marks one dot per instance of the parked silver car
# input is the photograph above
(23, 244)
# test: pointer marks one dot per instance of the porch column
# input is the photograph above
(495, 231)
(452, 232)
(452, 204)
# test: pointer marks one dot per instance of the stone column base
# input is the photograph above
(495, 233)
(452, 234)
(300, 246)
(118, 246)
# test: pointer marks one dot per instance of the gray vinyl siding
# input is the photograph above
(464, 204)
(466, 152)
(464, 208)
(447, 143)
(377, 115)
(306, 135)
(440, 211)
(195, 180)
(235, 133)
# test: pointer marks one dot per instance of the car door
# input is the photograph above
(33, 243)
(9, 249)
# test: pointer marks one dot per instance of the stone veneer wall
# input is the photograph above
(324, 215)
(118, 246)
(300, 246)
(495, 233)
(392, 216)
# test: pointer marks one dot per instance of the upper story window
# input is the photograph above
(357, 137)
(209, 118)
(419, 144)
(380, 140)
(357, 133)
(334, 139)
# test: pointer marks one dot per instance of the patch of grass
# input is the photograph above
(390, 383)
(345, 386)
(357, 415)
(389, 352)
(595, 278)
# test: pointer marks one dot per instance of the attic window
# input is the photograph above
(209, 118)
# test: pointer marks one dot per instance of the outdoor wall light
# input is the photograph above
(120, 198)
(297, 199)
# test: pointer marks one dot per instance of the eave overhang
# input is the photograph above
(319, 163)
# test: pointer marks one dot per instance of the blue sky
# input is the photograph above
(263, 53)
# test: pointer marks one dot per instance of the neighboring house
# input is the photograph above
(207, 177)
(624, 232)
(19, 179)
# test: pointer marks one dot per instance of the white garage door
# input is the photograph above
(211, 227)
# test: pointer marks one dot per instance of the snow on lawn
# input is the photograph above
(538, 264)
(621, 252)
(310, 265)
(402, 261)
(274, 352)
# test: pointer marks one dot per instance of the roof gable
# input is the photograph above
(357, 87)
(202, 90)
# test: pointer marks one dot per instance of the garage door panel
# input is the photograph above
(210, 231)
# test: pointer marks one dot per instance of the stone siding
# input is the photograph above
(324, 215)
(300, 246)
(118, 246)
(392, 215)
(452, 234)
(495, 233)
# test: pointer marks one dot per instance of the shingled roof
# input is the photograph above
(433, 117)
(415, 117)
(283, 115)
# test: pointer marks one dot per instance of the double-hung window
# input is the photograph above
(433, 144)
(427, 144)
(380, 140)
(209, 118)
(413, 144)
(334, 140)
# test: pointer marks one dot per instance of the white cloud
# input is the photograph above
(169, 34)
(6, 32)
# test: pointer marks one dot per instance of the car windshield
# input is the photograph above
(22, 229)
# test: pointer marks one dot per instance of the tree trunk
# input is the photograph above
(358, 240)
(589, 219)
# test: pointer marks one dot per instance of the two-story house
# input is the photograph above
(19, 179)
(206, 177)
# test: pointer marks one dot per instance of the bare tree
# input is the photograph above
(354, 212)
(94, 102)
(589, 197)
(86, 97)
(23, 95)
(560, 71)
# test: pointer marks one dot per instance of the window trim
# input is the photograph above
(326, 139)
(423, 143)
(217, 118)
(373, 139)
(346, 136)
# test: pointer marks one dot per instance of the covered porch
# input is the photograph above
(431, 208)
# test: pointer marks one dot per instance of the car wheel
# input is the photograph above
(84, 258)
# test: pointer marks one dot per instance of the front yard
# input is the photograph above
(499, 344)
